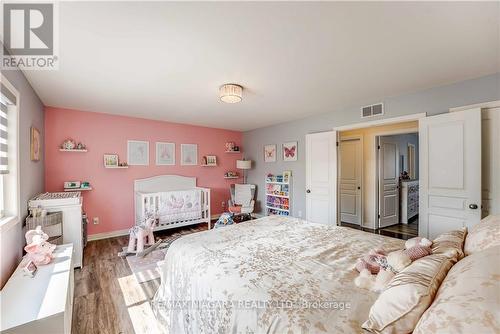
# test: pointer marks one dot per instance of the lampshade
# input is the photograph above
(244, 164)
(230, 93)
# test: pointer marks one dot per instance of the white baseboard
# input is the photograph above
(119, 233)
(106, 235)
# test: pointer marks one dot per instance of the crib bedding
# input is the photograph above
(270, 275)
(179, 205)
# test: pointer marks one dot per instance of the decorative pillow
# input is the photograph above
(450, 244)
(484, 235)
(408, 295)
(469, 298)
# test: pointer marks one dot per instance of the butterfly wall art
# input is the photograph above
(270, 153)
(290, 151)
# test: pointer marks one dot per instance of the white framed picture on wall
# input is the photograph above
(290, 151)
(138, 152)
(189, 154)
(270, 153)
(165, 154)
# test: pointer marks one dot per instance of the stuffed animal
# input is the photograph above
(387, 266)
(369, 261)
(37, 234)
(418, 241)
(38, 249)
(225, 219)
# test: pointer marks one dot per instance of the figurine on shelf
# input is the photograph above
(68, 144)
(231, 174)
(122, 164)
(80, 146)
(230, 146)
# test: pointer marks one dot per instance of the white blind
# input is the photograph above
(4, 161)
(6, 98)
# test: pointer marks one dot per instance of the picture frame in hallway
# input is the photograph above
(290, 151)
(165, 154)
(138, 153)
(270, 153)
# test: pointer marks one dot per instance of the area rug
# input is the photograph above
(145, 268)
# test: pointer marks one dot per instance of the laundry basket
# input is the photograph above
(50, 223)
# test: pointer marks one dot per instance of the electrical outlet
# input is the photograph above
(95, 220)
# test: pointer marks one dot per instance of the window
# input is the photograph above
(8, 151)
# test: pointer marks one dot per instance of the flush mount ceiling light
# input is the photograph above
(230, 93)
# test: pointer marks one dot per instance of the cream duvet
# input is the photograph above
(270, 275)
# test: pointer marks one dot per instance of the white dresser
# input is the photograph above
(70, 204)
(409, 200)
(43, 303)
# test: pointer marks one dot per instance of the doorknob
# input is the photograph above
(359, 188)
(473, 206)
(308, 191)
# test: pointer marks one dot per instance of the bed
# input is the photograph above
(271, 275)
(174, 200)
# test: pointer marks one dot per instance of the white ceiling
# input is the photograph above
(166, 60)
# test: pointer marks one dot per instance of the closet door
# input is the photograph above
(321, 177)
(450, 171)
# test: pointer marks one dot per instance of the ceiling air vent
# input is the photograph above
(373, 110)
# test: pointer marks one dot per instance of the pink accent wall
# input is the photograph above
(112, 197)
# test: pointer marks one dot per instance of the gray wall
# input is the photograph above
(432, 101)
(32, 174)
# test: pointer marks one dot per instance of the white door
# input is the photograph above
(450, 172)
(388, 182)
(321, 174)
(351, 160)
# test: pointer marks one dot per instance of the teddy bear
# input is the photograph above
(38, 249)
(387, 266)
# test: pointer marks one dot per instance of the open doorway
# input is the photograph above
(369, 188)
(397, 181)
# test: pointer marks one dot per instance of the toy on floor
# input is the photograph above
(141, 240)
(225, 219)
(38, 249)
(376, 269)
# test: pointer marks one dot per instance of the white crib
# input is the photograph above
(148, 199)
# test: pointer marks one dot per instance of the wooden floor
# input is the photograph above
(107, 297)
(400, 231)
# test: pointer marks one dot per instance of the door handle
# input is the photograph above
(473, 206)
(308, 191)
(359, 188)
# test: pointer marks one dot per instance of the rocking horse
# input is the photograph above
(141, 240)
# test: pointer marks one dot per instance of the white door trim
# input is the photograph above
(379, 122)
(484, 105)
(346, 138)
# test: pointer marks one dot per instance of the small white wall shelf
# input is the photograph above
(233, 152)
(115, 167)
(231, 177)
(215, 165)
(73, 150)
(78, 189)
